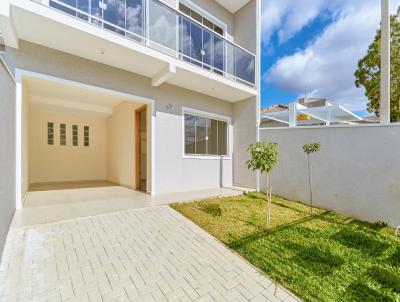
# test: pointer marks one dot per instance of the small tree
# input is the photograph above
(264, 157)
(309, 149)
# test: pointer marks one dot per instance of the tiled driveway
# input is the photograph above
(150, 254)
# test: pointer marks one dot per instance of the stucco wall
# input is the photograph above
(54, 163)
(245, 131)
(357, 171)
(7, 153)
(245, 26)
(171, 170)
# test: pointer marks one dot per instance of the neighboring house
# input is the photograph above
(307, 112)
(372, 119)
(265, 123)
(158, 96)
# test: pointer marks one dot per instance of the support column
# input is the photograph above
(385, 63)
(292, 114)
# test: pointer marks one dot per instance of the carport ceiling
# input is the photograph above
(59, 97)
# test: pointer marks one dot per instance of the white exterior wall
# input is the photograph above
(173, 173)
(356, 173)
(7, 153)
(245, 26)
(245, 112)
(245, 133)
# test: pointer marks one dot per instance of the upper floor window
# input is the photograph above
(196, 16)
(205, 136)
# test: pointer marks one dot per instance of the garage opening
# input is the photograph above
(77, 138)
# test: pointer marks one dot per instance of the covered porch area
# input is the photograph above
(45, 206)
(76, 142)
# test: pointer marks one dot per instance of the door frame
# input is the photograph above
(138, 146)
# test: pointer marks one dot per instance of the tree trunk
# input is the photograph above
(310, 182)
(269, 205)
(267, 201)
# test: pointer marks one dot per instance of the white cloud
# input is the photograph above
(286, 17)
(326, 66)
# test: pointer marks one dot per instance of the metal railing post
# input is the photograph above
(292, 115)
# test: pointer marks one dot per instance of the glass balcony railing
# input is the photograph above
(160, 27)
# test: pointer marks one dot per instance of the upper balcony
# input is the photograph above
(163, 43)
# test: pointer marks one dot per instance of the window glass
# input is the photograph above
(184, 9)
(162, 26)
(63, 8)
(86, 136)
(218, 30)
(114, 14)
(205, 136)
(135, 18)
(212, 138)
(63, 134)
(201, 135)
(222, 138)
(190, 131)
(199, 18)
(196, 46)
(196, 16)
(50, 133)
(74, 135)
(208, 24)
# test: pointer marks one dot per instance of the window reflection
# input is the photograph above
(205, 136)
(167, 31)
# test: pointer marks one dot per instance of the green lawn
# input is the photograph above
(324, 257)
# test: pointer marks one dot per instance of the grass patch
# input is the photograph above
(324, 257)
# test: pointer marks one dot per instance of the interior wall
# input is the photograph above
(25, 140)
(56, 163)
(7, 152)
(121, 145)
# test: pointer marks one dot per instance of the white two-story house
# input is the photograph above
(158, 96)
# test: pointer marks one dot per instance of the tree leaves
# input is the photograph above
(264, 156)
(368, 73)
(312, 148)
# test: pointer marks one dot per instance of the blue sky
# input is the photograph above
(315, 45)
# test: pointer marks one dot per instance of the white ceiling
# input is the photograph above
(58, 97)
(233, 5)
